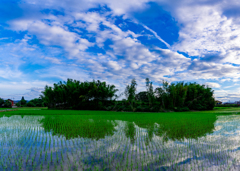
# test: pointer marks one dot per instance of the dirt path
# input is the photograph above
(6, 110)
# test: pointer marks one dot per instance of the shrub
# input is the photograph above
(120, 108)
(156, 108)
(139, 109)
(7, 104)
(31, 104)
(227, 105)
(1, 102)
(181, 109)
(109, 107)
(18, 104)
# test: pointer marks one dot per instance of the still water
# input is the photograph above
(42, 143)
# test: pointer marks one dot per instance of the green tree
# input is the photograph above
(36, 102)
(150, 93)
(163, 95)
(1, 102)
(7, 104)
(142, 96)
(18, 104)
(177, 95)
(76, 95)
(130, 93)
(31, 104)
(48, 96)
(23, 101)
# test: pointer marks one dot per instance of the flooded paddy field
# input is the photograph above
(93, 140)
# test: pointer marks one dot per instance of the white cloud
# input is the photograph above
(53, 60)
(29, 90)
(2, 38)
(206, 26)
(213, 85)
(53, 35)
(203, 28)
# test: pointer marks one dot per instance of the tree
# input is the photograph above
(18, 104)
(150, 93)
(130, 93)
(73, 94)
(163, 95)
(142, 96)
(31, 104)
(36, 102)
(177, 95)
(7, 104)
(1, 102)
(23, 101)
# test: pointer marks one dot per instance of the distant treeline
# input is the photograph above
(227, 105)
(93, 95)
(37, 102)
(5, 103)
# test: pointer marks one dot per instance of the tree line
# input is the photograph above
(5, 103)
(93, 95)
(36, 102)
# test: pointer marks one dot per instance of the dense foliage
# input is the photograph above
(7, 104)
(22, 103)
(95, 96)
(1, 102)
(227, 105)
(37, 102)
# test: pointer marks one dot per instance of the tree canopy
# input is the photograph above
(93, 95)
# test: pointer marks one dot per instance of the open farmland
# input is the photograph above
(106, 140)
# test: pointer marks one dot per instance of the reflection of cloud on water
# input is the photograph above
(215, 151)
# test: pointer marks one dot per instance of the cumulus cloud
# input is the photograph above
(97, 45)
(54, 35)
(53, 60)
(213, 85)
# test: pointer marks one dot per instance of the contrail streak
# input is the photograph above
(155, 34)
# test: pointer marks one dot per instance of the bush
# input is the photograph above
(156, 108)
(18, 104)
(181, 109)
(128, 109)
(1, 102)
(7, 104)
(139, 109)
(120, 108)
(109, 107)
(31, 104)
(227, 105)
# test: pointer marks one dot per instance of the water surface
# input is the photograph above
(102, 143)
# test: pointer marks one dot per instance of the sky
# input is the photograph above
(43, 42)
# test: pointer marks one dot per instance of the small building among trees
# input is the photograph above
(218, 102)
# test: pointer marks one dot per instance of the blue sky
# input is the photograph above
(44, 42)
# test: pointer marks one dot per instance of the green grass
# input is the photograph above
(30, 108)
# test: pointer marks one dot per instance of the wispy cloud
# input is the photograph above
(43, 42)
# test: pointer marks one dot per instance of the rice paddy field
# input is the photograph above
(41, 139)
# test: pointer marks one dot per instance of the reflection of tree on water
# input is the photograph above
(130, 131)
(179, 128)
(74, 126)
(150, 131)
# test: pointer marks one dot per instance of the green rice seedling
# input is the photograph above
(45, 156)
(51, 156)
